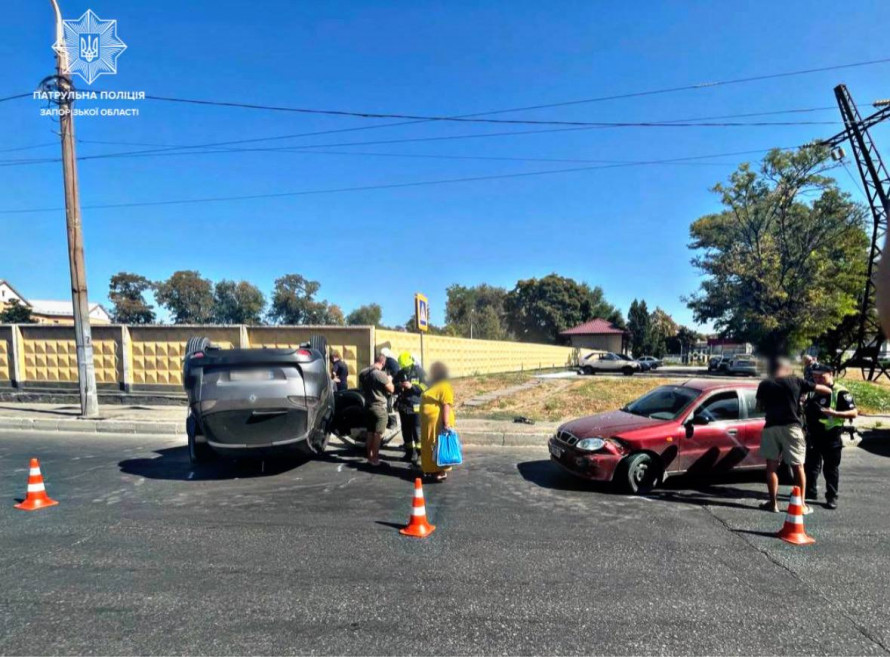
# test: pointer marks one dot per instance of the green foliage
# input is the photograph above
(683, 340)
(870, 397)
(187, 297)
(127, 294)
(785, 260)
(293, 302)
(368, 315)
(539, 309)
(15, 312)
(237, 303)
(638, 328)
(477, 311)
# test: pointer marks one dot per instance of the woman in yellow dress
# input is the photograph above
(436, 415)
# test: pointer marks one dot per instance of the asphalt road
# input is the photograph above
(147, 555)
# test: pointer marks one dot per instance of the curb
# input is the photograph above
(132, 427)
(92, 426)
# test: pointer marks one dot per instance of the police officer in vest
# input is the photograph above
(410, 383)
(825, 417)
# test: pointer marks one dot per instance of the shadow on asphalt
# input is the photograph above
(687, 489)
(876, 442)
(391, 466)
(173, 464)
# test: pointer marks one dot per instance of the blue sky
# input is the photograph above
(625, 229)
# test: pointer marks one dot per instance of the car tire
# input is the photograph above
(639, 473)
(320, 344)
(588, 370)
(196, 344)
(628, 371)
(199, 451)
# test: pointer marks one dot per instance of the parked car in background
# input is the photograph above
(653, 362)
(719, 363)
(702, 426)
(744, 364)
(608, 363)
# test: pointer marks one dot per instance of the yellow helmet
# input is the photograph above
(405, 360)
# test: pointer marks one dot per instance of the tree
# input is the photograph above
(293, 302)
(477, 312)
(539, 309)
(639, 328)
(187, 297)
(785, 259)
(662, 328)
(683, 341)
(237, 303)
(368, 315)
(127, 294)
(15, 312)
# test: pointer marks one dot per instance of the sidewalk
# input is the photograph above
(170, 420)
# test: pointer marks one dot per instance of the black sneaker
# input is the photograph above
(812, 495)
(831, 504)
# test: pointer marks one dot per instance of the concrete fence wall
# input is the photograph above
(466, 357)
(150, 357)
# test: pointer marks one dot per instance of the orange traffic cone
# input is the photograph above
(418, 527)
(792, 531)
(37, 497)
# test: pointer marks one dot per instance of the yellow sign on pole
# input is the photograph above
(422, 312)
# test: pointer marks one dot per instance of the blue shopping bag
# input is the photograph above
(448, 451)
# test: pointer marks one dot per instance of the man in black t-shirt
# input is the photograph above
(339, 372)
(783, 439)
(825, 415)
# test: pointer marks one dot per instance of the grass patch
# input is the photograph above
(472, 386)
(870, 398)
(560, 399)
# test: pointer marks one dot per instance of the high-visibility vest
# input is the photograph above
(834, 422)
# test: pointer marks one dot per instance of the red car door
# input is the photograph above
(754, 422)
(714, 440)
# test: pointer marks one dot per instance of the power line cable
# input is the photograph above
(463, 119)
(15, 97)
(165, 149)
(361, 188)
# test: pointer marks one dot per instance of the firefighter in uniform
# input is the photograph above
(410, 383)
(825, 417)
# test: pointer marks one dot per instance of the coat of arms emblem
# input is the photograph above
(91, 45)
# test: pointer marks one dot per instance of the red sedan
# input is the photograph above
(701, 426)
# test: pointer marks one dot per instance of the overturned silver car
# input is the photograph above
(257, 402)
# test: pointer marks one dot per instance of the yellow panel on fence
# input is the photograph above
(56, 360)
(466, 357)
(158, 351)
(5, 353)
(352, 342)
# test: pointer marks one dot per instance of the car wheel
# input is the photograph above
(320, 344)
(199, 451)
(640, 473)
(588, 370)
(628, 371)
(196, 344)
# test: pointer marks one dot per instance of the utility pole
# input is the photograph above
(876, 181)
(86, 372)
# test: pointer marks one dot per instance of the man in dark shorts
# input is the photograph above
(376, 386)
(826, 415)
(783, 438)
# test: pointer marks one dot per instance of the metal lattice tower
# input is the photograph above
(876, 181)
